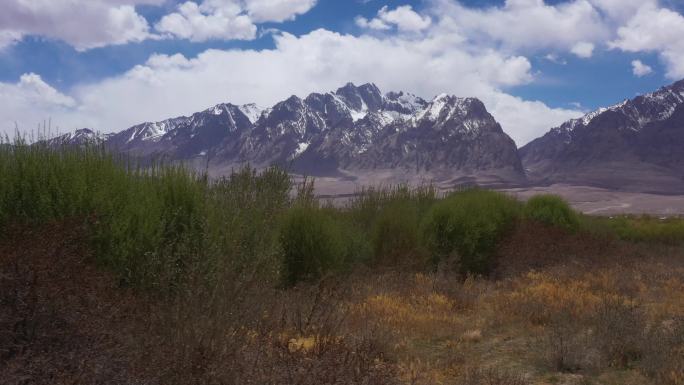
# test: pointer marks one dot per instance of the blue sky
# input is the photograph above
(62, 65)
(534, 63)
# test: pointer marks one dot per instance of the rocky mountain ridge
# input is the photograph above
(349, 133)
(360, 135)
(634, 145)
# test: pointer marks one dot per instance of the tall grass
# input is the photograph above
(389, 218)
(644, 228)
(369, 202)
(151, 225)
(396, 235)
(312, 245)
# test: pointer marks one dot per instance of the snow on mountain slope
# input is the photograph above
(251, 111)
(640, 111)
(76, 138)
(354, 128)
(636, 144)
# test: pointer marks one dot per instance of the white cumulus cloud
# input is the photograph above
(583, 49)
(208, 21)
(277, 10)
(654, 29)
(318, 61)
(404, 18)
(84, 24)
(29, 101)
(554, 58)
(87, 24)
(527, 25)
(640, 69)
(445, 46)
(580, 27)
(228, 19)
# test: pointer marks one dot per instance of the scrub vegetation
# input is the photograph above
(114, 273)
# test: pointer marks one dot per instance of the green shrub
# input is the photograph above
(154, 226)
(151, 224)
(312, 245)
(645, 229)
(368, 204)
(551, 210)
(468, 225)
(243, 214)
(355, 237)
(395, 235)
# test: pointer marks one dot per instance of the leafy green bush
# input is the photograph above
(468, 225)
(551, 210)
(395, 235)
(312, 244)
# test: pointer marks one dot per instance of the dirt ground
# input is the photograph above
(597, 201)
(586, 199)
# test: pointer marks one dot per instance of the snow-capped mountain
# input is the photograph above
(186, 138)
(449, 134)
(359, 133)
(635, 145)
(347, 132)
(84, 136)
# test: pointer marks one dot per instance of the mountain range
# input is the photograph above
(636, 145)
(353, 133)
(359, 136)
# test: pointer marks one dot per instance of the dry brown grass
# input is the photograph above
(616, 320)
(610, 322)
(490, 376)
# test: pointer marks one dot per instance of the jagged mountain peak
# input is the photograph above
(252, 111)
(404, 103)
(676, 86)
(84, 132)
(290, 108)
(78, 137)
(636, 144)
(366, 97)
(292, 102)
(358, 130)
(350, 87)
(231, 110)
(402, 96)
(638, 111)
(354, 129)
(446, 107)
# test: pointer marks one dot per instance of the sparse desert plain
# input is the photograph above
(599, 201)
(586, 199)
